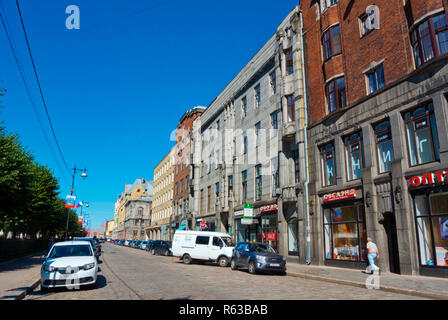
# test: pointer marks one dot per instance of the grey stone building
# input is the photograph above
(248, 149)
(137, 218)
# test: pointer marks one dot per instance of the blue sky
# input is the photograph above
(116, 88)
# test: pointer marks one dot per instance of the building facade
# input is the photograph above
(378, 83)
(129, 224)
(248, 146)
(162, 207)
(182, 213)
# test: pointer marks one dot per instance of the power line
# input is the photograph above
(12, 46)
(40, 87)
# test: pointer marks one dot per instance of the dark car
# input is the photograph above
(95, 245)
(161, 247)
(149, 244)
(257, 256)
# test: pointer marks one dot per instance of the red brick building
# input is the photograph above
(377, 84)
(182, 170)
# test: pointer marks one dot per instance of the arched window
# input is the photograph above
(370, 20)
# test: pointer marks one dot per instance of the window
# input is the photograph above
(244, 143)
(244, 107)
(208, 198)
(354, 156)
(423, 143)
(257, 96)
(295, 156)
(230, 184)
(202, 240)
(177, 187)
(187, 182)
(369, 20)
(385, 148)
(345, 233)
(274, 122)
(201, 201)
(218, 125)
(181, 185)
(217, 242)
(430, 39)
(289, 62)
(273, 82)
(275, 175)
(331, 42)
(257, 133)
(258, 182)
(328, 164)
(375, 79)
(325, 4)
(335, 93)
(293, 237)
(217, 188)
(431, 212)
(290, 108)
(244, 185)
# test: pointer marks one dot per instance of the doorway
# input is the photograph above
(390, 227)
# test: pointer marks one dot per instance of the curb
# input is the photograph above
(423, 294)
(35, 284)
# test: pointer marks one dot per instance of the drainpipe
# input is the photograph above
(305, 127)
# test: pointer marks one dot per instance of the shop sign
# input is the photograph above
(270, 236)
(247, 221)
(271, 207)
(340, 195)
(248, 210)
(430, 178)
(203, 225)
(238, 213)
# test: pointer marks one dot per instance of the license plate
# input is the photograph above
(275, 265)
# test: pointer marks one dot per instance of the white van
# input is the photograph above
(202, 245)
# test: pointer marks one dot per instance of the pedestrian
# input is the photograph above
(372, 255)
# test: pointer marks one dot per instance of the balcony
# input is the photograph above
(289, 194)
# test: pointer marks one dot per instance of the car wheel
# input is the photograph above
(223, 262)
(153, 252)
(44, 289)
(167, 253)
(187, 259)
(252, 269)
(233, 264)
(94, 285)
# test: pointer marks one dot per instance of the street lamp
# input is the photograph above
(83, 175)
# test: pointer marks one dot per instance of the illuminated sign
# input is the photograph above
(429, 178)
(340, 195)
(271, 207)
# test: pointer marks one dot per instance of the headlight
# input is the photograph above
(48, 268)
(262, 258)
(89, 266)
(284, 258)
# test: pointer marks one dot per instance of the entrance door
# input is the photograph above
(390, 227)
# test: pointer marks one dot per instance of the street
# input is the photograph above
(133, 274)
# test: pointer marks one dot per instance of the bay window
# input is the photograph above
(331, 42)
(335, 94)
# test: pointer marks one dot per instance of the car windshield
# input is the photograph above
(263, 248)
(228, 241)
(79, 250)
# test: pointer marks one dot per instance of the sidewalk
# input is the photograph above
(18, 276)
(428, 287)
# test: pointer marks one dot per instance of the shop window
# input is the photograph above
(258, 182)
(293, 237)
(430, 39)
(384, 144)
(432, 228)
(345, 233)
(335, 94)
(423, 143)
(375, 79)
(354, 156)
(328, 164)
(269, 230)
(331, 42)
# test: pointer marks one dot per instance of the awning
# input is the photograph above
(181, 228)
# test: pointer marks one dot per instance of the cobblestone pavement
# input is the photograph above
(127, 273)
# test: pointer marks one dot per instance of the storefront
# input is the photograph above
(206, 224)
(263, 227)
(344, 228)
(429, 194)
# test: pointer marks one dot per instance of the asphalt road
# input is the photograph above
(133, 274)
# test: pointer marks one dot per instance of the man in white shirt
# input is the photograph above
(372, 255)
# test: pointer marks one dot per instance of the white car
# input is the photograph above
(202, 245)
(69, 264)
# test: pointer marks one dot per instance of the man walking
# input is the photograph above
(372, 255)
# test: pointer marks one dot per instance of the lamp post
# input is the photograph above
(83, 175)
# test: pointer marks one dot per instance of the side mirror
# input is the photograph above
(43, 257)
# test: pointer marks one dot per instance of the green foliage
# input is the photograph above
(29, 201)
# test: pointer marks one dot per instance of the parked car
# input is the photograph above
(126, 243)
(138, 244)
(144, 244)
(69, 263)
(257, 256)
(202, 245)
(162, 247)
(149, 244)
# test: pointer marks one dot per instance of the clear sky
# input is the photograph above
(116, 88)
